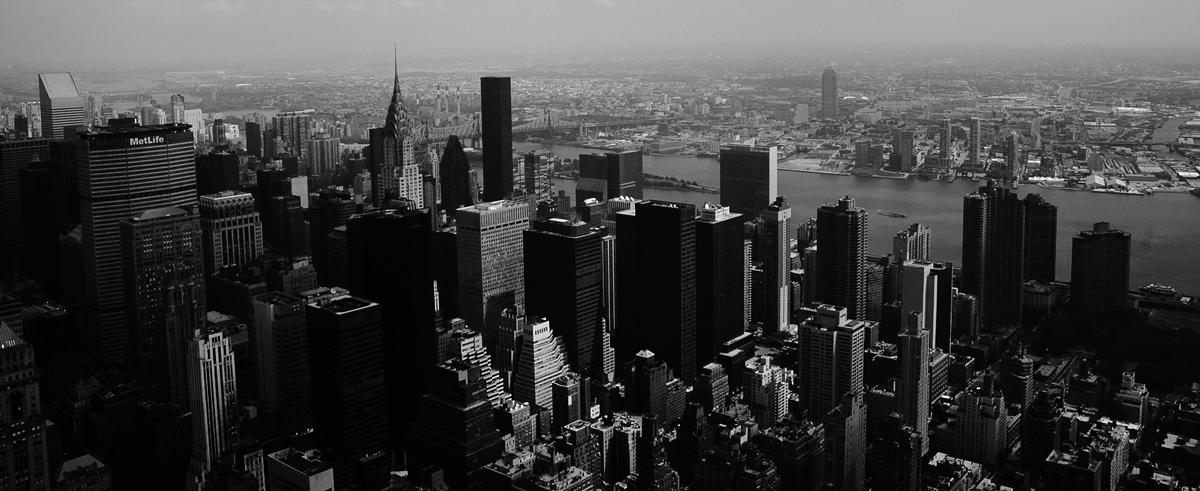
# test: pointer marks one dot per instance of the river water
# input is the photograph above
(1165, 227)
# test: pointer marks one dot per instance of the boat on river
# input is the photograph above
(893, 214)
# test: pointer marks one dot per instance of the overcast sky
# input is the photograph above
(73, 31)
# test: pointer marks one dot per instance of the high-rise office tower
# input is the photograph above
(831, 359)
(646, 387)
(1100, 269)
(26, 462)
(896, 456)
(975, 149)
(328, 210)
(846, 443)
(829, 94)
(398, 174)
(41, 225)
(322, 154)
(389, 258)
(942, 333)
(841, 256)
(656, 283)
(177, 108)
(919, 294)
(163, 264)
(345, 346)
(993, 245)
(213, 393)
(911, 243)
(124, 171)
(774, 230)
(233, 233)
(749, 178)
(1041, 238)
(254, 139)
(906, 150)
(62, 105)
(653, 471)
(624, 174)
(564, 284)
(496, 128)
(490, 261)
(455, 428)
(539, 360)
(455, 177)
(15, 155)
(720, 287)
(945, 140)
(767, 390)
(217, 171)
(283, 226)
(293, 128)
(279, 346)
(459, 341)
(608, 278)
(593, 178)
(912, 390)
(567, 402)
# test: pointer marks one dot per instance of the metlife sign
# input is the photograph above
(149, 140)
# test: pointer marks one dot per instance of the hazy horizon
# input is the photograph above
(61, 34)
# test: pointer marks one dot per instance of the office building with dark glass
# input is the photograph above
(1041, 238)
(720, 280)
(829, 94)
(1100, 269)
(496, 130)
(749, 178)
(563, 284)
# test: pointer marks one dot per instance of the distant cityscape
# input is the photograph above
(595, 275)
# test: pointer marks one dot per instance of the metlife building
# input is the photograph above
(123, 171)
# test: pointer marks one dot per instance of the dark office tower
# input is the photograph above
(345, 348)
(912, 390)
(1100, 269)
(896, 456)
(719, 280)
(456, 178)
(563, 284)
(845, 443)
(40, 228)
(774, 230)
(975, 149)
(831, 360)
(1016, 376)
(254, 139)
(624, 174)
(491, 256)
(841, 256)
(656, 284)
(328, 210)
(283, 226)
(565, 402)
(593, 178)
(61, 103)
(278, 341)
(993, 243)
(749, 178)
(15, 156)
(161, 252)
(531, 174)
(388, 258)
(946, 140)
(124, 171)
(270, 182)
(455, 428)
(26, 464)
(653, 471)
(21, 126)
(1041, 432)
(943, 332)
(905, 148)
(233, 233)
(496, 129)
(217, 171)
(829, 94)
(1041, 237)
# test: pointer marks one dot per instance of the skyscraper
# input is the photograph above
(15, 155)
(905, 149)
(293, 128)
(163, 263)
(279, 346)
(1041, 238)
(563, 284)
(993, 245)
(749, 178)
(896, 456)
(656, 283)
(233, 233)
(455, 177)
(177, 108)
(912, 390)
(455, 428)
(490, 261)
(539, 361)
(829, 94)
(398, 175)
(328, 210)
(1100, 269)
(911, 243)
(775, 227)
(975, 156)
(124, 171)
(211, 373)
(841, 256)
(61, 103)
(845, 443)
(254, 137)
(624, 174)
(217, 171)
(719, 280)
(496, 129)
(283, 226)
(322, 154)
(593, 178)
(946, 140)
(389, 258)
(831, 359)
(26, 462)
(345, 345)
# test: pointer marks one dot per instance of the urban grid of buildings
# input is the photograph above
(209, 310)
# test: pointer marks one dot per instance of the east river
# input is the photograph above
(1165, 227)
